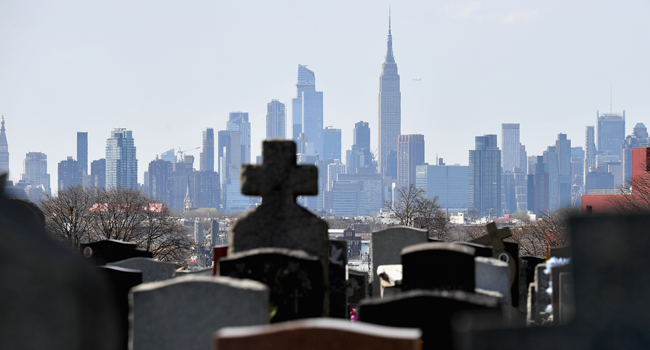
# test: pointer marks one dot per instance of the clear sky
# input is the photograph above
(169, 69)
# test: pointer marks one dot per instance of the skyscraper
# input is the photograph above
(308, 109)
(390, 110)
(611, 134)
(98, 173)
(238, 122)
(35, 171)
(82, 151)
(207, 153)
(485, 176)
(538, 190)
(448, 182)
(511, 147)
(410, 153)
(275, 120)
(121, 161)
(590, 151)
(563, 148)
(361, 135)
(70, 173)
(4, 148)
(169, 156)
(161, 180)
(331, 143)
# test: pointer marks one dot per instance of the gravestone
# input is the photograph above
(338, 261)
(121, 280)
(279, 222)
(357, 286)
(387, 247)
(152, 270)
(390, 278)
(611, 283)
(218, 253)
(555, 279)
(533, 261)
(542, 299)
(199, 272)
(494, 238)
(479, 249)
(184, 312)
(317, 334)
(493, 274)
(110, 250)
(294, 278)
(561, 252)
(444, 266)
(532, 316)
(430, 311)
(566, 305)
(50, 298)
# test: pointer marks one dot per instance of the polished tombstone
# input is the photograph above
(49, 298)
(430, 311)
(110, 250)
(184, 312)
(121, 280)
(357, 286)
(318, 334)
(152, 270)
(444, 266)
(493, 274)
(387, 247)
(338, 261)
(294, 278)
(610, 289)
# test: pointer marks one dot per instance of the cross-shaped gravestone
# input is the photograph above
(495, 239)
(611, 286)
(279, 222)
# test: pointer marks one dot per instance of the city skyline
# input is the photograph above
(97, 104)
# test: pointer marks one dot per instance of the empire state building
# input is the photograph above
(390, 112)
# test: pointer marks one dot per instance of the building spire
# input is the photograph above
(389, 50)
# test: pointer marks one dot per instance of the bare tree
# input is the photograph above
(411, 207)
(634, 201)
(165, 237)
(67, 215)
(117, 213)
(550, 230)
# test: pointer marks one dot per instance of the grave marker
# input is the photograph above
(152, 270)
(493, 274)
(121, 280)
(444, 266)
(338, 261)
(357, 286)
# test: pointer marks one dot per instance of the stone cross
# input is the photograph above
(279, 222)
(495, 238)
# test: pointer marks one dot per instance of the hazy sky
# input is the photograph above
(169, 69)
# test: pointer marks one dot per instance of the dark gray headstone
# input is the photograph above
(294, 278)
(555, 279)
(49, 298)
(566, 306)
(357, 287)
(532, 316)
(493, 274)
(479, 249)
(121, 280)
(611, 286)
(542, 298)
(152, 270)
(184, 312)
(108, 251)
(387, 248)
(338, 260)
(444, 266)
(430, 311)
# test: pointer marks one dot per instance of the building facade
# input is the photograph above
(410, 153)
(160, 180)
(450, 183)
(639, 138)
(121, 161)
(331, 143)
(308, 109)
(238, 122)
(390, 112)
(35, 171)
(4, 148)
(611, 133)
(82, 151)
(98, 173)
(70, 173)
(485, 177)
(361, 135)
(207, 151)
(276, 115)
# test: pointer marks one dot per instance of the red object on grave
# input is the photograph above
(218, 253)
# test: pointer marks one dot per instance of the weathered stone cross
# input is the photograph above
(495, 238)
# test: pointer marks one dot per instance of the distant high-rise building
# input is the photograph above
(552, 163)
(361, 135)
(238, 122)
(82, 151)
(331, 143)
(639, 138)
(510, 147)
(372, 188)
(4, 148)
(485, 176)
(308, 109)
(121, 161)
(449, 182)
(276, 120)
(333, 170)
(207, 192)
(98, 173)
(611, 133)
(70, 173)
(410, 150)
(207, 154)
(169, 156)
(182, 183)
(390, 111)
(590, 150)
(538, 185)
(35, 171)
(161, 180)
(563, 148)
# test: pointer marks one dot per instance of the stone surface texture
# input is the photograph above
(152, 270)
(443, 266)
(184, 312)
(387, 247)
(493, 274)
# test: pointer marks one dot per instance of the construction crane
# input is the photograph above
(182, 153)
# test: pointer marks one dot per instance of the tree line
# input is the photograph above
(77, 215)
